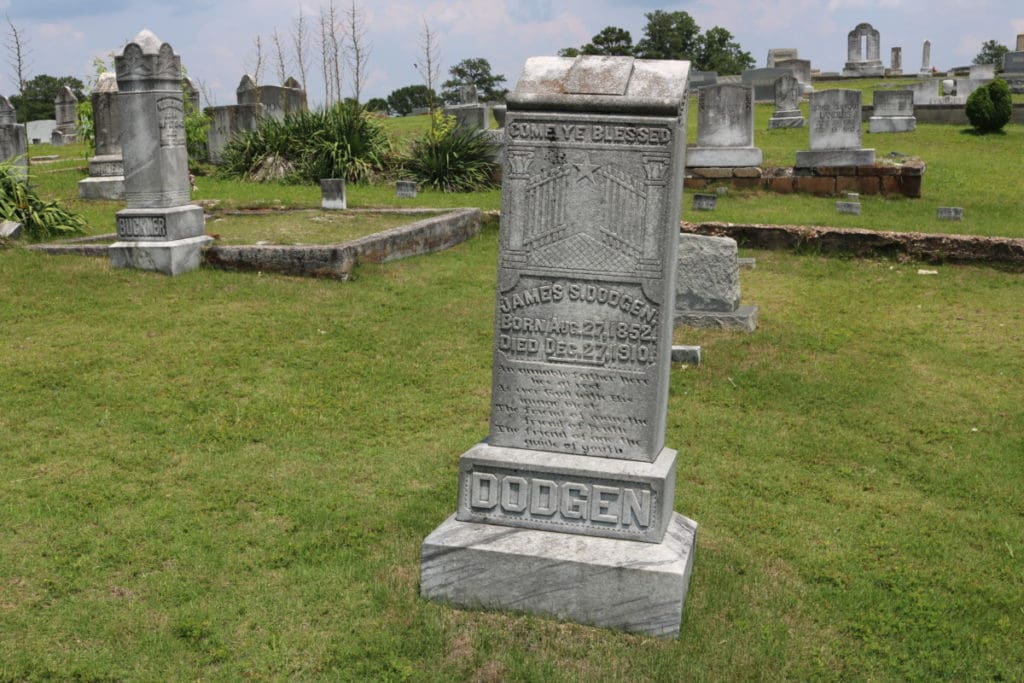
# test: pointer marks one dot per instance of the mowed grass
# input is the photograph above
(304, 227)
(225, 476)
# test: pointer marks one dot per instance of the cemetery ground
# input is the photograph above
(226, 475)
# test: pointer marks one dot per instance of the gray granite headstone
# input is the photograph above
(228, 121)
(13, 139)
(467, 94)
(332, 194)
(1013, 62)
(893, 112)
(835, 131)
(801, 69)
(950, 213)
(1020, 42)
(777, 54)
(66, 105)
(106, 167)
(698, 79)
(470, 116)
(725, 128)
(566, 510)
(160, 230)
(787, 112)
(708, 285)
(763, 82)
(276, 100)
(895, 61)
(405, 189)
(848, 207)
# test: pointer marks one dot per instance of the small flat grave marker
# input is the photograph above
(848, 207)
(405, 189)
(705, 202)
(332, 194)
(950, 213)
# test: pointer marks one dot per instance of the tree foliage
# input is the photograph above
(991, 53)
(671, 35)
(404, 100)
(990, 107)
(36, 100)
(476, 71)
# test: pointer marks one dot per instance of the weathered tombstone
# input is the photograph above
(926, 59)
(848, 207)
(13, 139)
(467, 94)
(470, 116)
(66, 105)
(708, 285)
(982, 72)
(835, 131)
(776, 54)
(332, 194)
(705, 202)
(895, 62)
(787, 112)
(725, 128)
(277, 100)
(226, 121)
(688, 355)
(106, 167)
(698, 79)
(950, 213)
(405, 189)
(190, 93)
(763, 82)
(863, 49)
(1020, 42)
(893, 112)
(566, 509)
(801, 69)
(160, 230)
(1013, 62)
(926, 91)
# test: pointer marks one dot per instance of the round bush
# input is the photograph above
(990, 107)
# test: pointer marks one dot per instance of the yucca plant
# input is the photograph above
(40, 220)
(341, 142)
(452, 159)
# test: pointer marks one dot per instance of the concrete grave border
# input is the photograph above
(425, 236)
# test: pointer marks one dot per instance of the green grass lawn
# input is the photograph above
(227, 475)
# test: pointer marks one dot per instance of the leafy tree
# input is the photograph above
(719, 52)
(669, 35)
(991, 53)
(377, 104)
(36, 99)
(569, 52)
(990, 107)
(612, 40)
(476, 72)
(404, 100)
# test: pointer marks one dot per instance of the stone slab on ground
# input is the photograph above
(744, 319)
(172, 257)
(636, 587)
(105, 187)
(835, 157)
(689, 355)
(723, 156)
(892, 124)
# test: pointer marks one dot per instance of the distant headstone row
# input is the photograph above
(253, 103)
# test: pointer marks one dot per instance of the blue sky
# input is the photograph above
(215, 38)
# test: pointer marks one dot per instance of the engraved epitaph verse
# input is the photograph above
(580, 337)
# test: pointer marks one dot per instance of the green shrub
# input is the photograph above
(344, 141)
(39, 219)
(452, 159)
(990, 107)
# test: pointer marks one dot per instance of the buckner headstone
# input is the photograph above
(160, 230)
(593, 175)
(835, 131)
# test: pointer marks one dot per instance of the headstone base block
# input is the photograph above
(786, 119)
(892, 124)
(170, 258)
(723, 156)
(835, 157)
(612, 583)
(107, 187)
(744, 319)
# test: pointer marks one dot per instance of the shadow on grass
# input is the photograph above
(977, 133)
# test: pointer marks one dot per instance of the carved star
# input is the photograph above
(586, 170)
